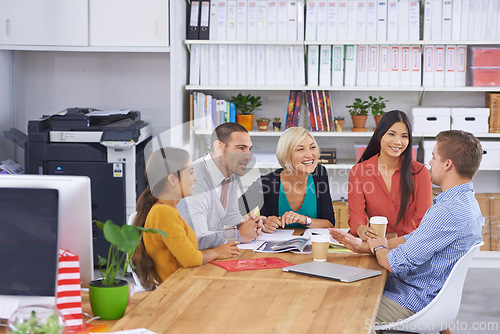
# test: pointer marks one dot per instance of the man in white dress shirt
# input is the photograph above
(214, 203)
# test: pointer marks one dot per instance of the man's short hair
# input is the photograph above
(463, 148)
(223, 132)
(288, 142)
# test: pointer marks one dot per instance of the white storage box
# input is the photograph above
(428, 147)
(431, 120)
(473, 120)
(491, 154)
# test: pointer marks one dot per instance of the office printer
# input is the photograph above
(107, 146)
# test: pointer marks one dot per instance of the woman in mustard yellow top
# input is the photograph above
(171, 178)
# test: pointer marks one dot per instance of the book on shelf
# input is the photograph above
(204, 26)
(328, 156)
(320, 112)
(493, 102)
(293, 108)
(206, 112)
(296, 108)
(289, 112)
(194, 18)
(294, 245)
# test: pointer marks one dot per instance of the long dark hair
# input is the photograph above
(161, 164)
(373, 148)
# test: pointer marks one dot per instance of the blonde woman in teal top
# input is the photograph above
(308, 208)
(297, 195)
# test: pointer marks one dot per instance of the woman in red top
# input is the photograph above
(387, 182)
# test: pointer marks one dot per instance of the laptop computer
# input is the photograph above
(332, 271)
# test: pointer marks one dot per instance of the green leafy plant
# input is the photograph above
(263, 119)
(124, 240)
(33, 325)
(359, 107)
(339, 118)
(377, 105)
(246, 104)
(276, 120)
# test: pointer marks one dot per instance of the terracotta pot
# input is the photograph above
(246, 121)
(358, 123)
(377, 119)
(263, 125)
(339, 125)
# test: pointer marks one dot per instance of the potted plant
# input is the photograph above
(339, 123)
(263, 123)
(109, 295)
(246, 105)
(359, 113)
(377, 106)
(276, 124)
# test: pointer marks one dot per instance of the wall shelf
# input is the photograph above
(419, 42)
(85, 48)
(420, 89)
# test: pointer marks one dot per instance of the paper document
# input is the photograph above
(108, 112)
(277, 235)
(335, 246)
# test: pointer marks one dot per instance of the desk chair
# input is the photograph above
(134, 275)
(443, 309)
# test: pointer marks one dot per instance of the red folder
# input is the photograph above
(252, 264)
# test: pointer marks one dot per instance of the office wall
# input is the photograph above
(49, 82)
(6, 105)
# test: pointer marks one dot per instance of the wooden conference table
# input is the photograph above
(209, 299)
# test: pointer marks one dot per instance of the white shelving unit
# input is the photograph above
(401, 97)
(153, 33)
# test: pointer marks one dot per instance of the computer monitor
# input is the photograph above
(28, 245)
(74, 212)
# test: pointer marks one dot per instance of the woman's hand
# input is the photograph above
(292, 217)
(349, 241)
(366, 232)
(228, 250)
(272, 223)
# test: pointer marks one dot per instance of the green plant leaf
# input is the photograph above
(131, 239)
(114, 234)
(124, 241)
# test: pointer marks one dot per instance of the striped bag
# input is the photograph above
(69, 298)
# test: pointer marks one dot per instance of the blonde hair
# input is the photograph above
(287, 144)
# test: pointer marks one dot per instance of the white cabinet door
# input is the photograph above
(129, 22)
(44, 22)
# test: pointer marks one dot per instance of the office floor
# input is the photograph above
(480, 303)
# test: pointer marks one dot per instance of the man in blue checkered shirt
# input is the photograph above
(421, 261)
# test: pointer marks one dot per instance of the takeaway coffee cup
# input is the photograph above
(379, 224)
(320, 244)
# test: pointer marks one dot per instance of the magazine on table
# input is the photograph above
(295, 245)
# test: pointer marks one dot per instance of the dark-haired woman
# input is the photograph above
(387, 182)
(171, 178)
